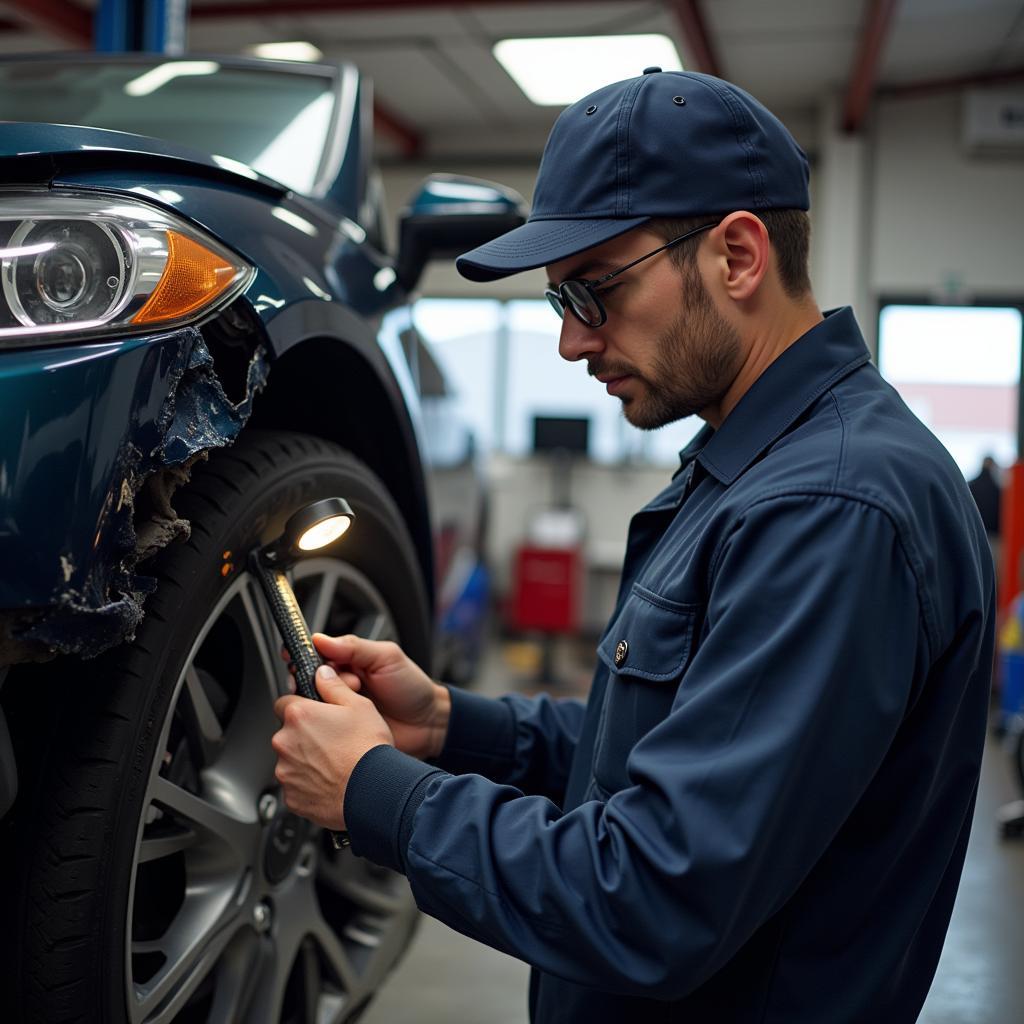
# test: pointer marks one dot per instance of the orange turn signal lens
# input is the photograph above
(193, 277)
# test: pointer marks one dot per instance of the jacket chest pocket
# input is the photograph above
(646, 649)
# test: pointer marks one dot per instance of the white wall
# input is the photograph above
(941, 217)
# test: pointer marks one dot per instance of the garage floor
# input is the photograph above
(447, 977)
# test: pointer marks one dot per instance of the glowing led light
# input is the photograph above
(324, 533)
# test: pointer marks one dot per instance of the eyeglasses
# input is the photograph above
(582, 297)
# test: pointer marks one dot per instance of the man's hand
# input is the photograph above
(415, 708)
(318, 745)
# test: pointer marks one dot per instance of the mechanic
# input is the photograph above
(761, 813)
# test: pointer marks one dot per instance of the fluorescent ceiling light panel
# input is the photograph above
(287, 51)
(557, 72)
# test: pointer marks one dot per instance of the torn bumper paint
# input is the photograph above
(93, 441)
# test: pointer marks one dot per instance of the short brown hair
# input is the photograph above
(789, 232)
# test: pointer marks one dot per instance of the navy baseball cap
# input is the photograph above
(666, 144)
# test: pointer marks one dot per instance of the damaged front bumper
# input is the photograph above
(94, 439)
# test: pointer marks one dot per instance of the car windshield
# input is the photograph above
(277, 122)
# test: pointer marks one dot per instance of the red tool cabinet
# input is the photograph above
(547, 585)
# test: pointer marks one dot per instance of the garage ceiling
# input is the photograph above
(440, 92)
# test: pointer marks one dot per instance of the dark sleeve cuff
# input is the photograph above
(481, 736)
(384, 792)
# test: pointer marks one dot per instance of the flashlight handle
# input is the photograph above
(295, 633)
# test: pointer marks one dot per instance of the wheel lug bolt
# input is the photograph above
(261, 917)
(267, 807)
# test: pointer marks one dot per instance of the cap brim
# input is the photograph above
(538, 243)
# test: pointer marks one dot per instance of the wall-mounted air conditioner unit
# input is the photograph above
(993, 121)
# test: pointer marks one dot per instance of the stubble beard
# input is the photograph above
(696, 360)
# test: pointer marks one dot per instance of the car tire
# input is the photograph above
(162, 877)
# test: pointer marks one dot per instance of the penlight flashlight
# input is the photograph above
(309, 529)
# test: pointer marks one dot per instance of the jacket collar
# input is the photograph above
(815, 362)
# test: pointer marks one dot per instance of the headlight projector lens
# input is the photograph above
(79, 271)
(61, 278)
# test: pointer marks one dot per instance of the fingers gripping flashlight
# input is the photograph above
(311, 528)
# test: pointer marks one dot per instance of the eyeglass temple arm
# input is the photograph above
(647, 256)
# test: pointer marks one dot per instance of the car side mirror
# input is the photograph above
(449, 215)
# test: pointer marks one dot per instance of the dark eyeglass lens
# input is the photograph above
(584, 305)
(556, 302)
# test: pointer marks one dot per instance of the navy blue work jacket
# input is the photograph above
(761, 814)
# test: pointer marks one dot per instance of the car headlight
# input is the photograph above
(73, 264)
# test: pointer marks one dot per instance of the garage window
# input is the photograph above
(958, 368)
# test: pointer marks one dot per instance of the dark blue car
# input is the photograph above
(201, 330)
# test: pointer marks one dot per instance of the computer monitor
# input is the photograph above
(561, 434)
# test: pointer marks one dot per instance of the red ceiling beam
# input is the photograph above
(58, 18)
(695, 31)
(864, 75)
(410, 141)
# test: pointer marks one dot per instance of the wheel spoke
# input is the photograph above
(242, 965)
(334, 954)
(262, 1010)
(239, 834)
(310, 967)
(331, 1008)
(265, 635)
(374, 626)
(321, 605)
(207, 726)
(266, 1004)
(248, 759)
(350, 877)
(157, 846)
(192, 950)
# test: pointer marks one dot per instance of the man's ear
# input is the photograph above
(742, 254)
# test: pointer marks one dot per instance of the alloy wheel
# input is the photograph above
(239, 910)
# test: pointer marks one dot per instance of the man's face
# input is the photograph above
(665, 352)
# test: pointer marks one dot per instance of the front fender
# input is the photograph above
(82, 430)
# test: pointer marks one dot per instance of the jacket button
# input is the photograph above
(621, 650)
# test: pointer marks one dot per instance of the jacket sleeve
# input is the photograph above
(524, 742)
(813, 643)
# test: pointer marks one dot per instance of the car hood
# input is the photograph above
(33, 152)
